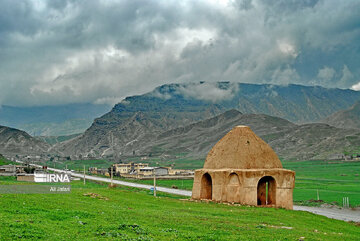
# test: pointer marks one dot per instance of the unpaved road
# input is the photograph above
(131, 184)
(335, 213)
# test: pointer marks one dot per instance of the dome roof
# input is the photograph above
(242, 149)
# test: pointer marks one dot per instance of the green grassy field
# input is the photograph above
(333, 181)
(175, 183)
(94, 211)
(180, 162)
(4, 161)
(78, 165)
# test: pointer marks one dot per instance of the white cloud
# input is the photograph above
(164, 96)
(108, 100)
(209, 91)
(58, 52)
(285, 76)
(346, 78)
(326, 73)
(356, 87)
(325, 76)
(287, 48)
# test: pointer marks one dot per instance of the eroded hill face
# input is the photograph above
(16, 142)
(288, 140)
(138, 124)
(348, 119)
(122, 135)
(195, 140)
(295, 103)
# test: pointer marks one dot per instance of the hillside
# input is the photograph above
(287, 139)
(116, 133)
(52, 140)
(17, 142)
(4, 161)
(348, 119)
(292, 102)
(138, 120)
(314, 141)
(51, 120)
(198, 138)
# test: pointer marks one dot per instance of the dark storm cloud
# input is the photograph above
(54, 52)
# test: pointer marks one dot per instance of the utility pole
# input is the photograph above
(318, 194)
(346, 203)
(84, 175)
(154, 185)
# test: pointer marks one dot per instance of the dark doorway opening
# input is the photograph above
(266, 191)
(206, 187)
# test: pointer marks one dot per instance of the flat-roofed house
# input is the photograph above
(150, 171)
(125, 168)
(161, 171)
(8, 170)
(146, 171)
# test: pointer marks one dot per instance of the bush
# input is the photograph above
(29, 169)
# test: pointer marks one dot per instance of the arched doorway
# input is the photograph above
(206, 187)
(266, 191)
(233, 188)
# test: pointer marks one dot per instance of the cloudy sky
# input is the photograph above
(57, 51)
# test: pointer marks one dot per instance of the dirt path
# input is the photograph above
(335, 213)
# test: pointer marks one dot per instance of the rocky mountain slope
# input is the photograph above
(138, 120)
(117, 132)
(315, 141)
(16, 142)
(52, 140)
(348, 119)
(287, 139)
(198, 138)
(295, 103)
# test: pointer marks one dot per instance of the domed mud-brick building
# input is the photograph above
(242, 168)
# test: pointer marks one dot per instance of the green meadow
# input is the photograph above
(95, 211)
(332, 180)
(4, 161)
(78, 165)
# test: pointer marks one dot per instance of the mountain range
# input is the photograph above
(289, 140)
(190, 118)
(138, 123)
(299, 104)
